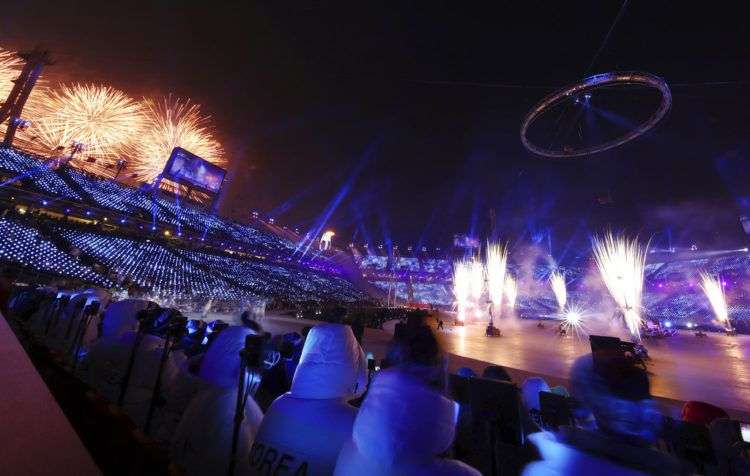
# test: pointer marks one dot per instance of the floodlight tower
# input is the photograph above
(13, 106)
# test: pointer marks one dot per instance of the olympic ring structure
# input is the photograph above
(586, 86)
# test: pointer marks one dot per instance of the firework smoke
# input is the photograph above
(715, 293)
(511, 291)
(173, 123)
(621, 263)
(557, 283)
(497, 259)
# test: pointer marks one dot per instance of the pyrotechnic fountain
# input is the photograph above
(621, 263)
(557, 283)
(714, 291)
(497, 258)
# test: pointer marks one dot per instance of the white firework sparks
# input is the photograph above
(621, 263)
(714, 291)
(511, 291)
(557, 283)
(573, 320)
(497, 260)
(476, 278)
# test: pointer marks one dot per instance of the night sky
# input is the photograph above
(410, 113)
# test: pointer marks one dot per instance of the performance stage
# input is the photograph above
(683, 367)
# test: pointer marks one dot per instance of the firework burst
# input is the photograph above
(10, 68)
(103, 120)
(714, 291)
(573, 320)
(557, 283)
(497, 260)
(621, 263)
(173, 123)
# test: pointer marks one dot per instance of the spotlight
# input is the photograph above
(45, 202)
(587, 96)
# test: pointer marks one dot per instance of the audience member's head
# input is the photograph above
(403, 427)
(560, 390)
(618, 394)
(701, 413)
(466, 372)
(8, 276)
(332, 365)
(496, 372)
(530, 392)
(418, 352)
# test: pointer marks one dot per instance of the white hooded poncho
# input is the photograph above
(304, 429)
(202, 442)
(401, 429)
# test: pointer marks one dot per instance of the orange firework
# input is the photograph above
(171, 123)
(102, 120)
(10, 67)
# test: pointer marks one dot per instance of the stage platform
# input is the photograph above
(714, 369)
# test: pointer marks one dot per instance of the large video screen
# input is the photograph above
(190, 169)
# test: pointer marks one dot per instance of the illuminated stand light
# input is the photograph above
(325, 240)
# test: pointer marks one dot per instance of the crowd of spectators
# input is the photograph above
(236, 398)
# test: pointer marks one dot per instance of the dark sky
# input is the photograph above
(398, 109)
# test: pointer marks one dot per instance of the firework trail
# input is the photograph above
(714, 291)
(511, 291)
(557, 283)
(173, 123)
(621, 263)
(103, 119)
(497, 260)
(461, 286)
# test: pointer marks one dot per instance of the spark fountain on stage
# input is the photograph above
(714, 290)
(621, 263)
(480, 288)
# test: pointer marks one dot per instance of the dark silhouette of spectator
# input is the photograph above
(496, 372)
(8, 278)
(618, 394)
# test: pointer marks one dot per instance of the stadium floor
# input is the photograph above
(683, 367)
